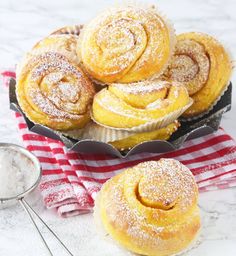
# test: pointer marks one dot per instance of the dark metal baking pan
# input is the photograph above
(188, 130)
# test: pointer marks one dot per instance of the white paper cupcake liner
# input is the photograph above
(100, 133)
(72, 30)
(152, 125)
(93, 131)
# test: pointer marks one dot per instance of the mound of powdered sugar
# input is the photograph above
(17, 173)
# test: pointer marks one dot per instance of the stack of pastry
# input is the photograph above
(124, 73)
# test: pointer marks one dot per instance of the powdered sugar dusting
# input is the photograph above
(142, 87)
(53, 78)
(150, 200)
(190, 65)
(69, 92)
(52, 60)
(159, 104)
(57, 87)
(122, 42)
(48, 107)
(125, 107)
(167, 183)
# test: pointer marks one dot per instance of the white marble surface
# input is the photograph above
(22, 23)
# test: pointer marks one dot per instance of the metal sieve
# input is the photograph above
(34, 181)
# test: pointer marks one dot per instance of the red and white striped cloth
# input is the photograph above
(70, 180)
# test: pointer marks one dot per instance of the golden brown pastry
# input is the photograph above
(126, 44)
(52, 90)
(65, 44)
(151, 208)
(132, 105)
(133, 140)
(60, 43)
(202, 64)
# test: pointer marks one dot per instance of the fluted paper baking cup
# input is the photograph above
(154, 124)
(93, 131)
(72, 30)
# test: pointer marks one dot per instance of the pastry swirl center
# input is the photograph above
(158, 190)
(66, 87)
(120, 43)
(189, 65)
(183, 68)
(56, 87)
(116, 38)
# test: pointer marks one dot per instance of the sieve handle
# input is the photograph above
(29, 210)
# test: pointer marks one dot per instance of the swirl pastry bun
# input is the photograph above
(52, 90)
(203, 65)
(138, 104)
(151, 208)
(126, 44)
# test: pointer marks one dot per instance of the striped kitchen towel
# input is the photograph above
(71, 181)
